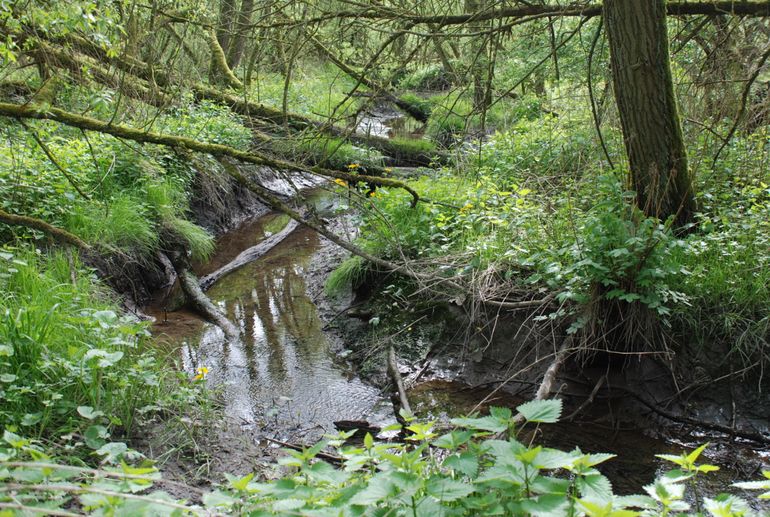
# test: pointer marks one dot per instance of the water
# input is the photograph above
(283, 378)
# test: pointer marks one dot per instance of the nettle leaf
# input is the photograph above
(486, 423)
(501, 413)
(546, 506)
(542, 411)
(380, 487)
(453, 439)
(466, 463)
(287, 505)
(445, 489)
(595, 487)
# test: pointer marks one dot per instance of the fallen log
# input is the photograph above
(202, 304)
(249, 255)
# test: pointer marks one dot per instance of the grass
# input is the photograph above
(65, 347)
(122, 222)
(348, 275)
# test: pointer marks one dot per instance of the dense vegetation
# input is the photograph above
(640, 226)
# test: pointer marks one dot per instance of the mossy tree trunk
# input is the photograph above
(644, 91)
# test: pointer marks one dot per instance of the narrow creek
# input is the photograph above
(285, 378)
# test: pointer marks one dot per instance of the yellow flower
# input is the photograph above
(201, 373)
(387, 170)
(353, 165)
(466, 207)
(371, 194)
(341, 182)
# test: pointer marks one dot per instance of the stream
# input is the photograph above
(287, 379)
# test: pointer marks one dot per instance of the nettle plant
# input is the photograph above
(630, 257)
(477, 467)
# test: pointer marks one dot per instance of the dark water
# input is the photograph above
(635, 464)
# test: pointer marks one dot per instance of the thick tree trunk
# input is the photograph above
(644, 91)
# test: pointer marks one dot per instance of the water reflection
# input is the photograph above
(281, 377)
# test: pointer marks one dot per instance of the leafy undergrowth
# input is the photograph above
(477, 467)
(75, 374)
(536, 209)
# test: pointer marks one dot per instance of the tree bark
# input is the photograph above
(238, 41)
(644, 91)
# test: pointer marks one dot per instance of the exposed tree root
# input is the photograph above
(201, 302)
(748, 435)
(400, 400)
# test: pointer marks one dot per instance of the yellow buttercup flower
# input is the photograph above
(200, 373)
(341, 182)
(353, 165)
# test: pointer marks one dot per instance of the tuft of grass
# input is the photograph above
(200, 242)
(347, 275)
(424, 106)
(123, 222)
(68, 360)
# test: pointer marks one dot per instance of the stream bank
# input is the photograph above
(296, 369)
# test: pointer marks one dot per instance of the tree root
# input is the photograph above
(203, 304)
(400, 400)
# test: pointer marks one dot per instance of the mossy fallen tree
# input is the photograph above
(218, 150)
(141, 82)
(58, 234)
(196, 297)
(248, 255)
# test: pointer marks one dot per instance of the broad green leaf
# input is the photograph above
(89, 412)
(486, 423)
(542, 411)
(445, 489)
(465, 463)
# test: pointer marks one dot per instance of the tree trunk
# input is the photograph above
(238, 42)
(644, 91)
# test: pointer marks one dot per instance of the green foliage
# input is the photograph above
(428, 77)
(347, 275)
(123, 222)
(477, 467)
(69, 361)
(328, 152)
(423, 106)
(207, 122)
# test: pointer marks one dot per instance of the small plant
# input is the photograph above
(476, 467)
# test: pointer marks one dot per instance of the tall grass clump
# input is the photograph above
(68, 360)
(348, 275)
(122, 222)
